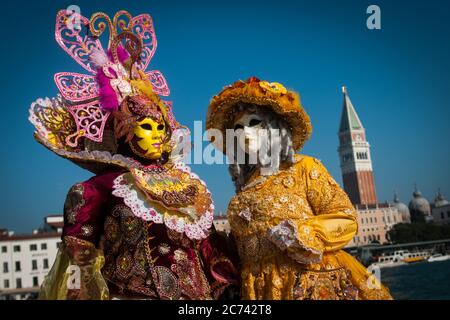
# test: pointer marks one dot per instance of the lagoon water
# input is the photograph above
(424, 280)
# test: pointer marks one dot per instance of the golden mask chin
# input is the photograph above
(148, 138)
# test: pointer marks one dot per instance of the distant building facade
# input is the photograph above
(440, 210)
(26, 259)
(221, 223)
(441, 215)
(374, 221)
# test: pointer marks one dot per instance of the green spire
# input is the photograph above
(349, 118)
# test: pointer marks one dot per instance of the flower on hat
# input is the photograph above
(274, 87)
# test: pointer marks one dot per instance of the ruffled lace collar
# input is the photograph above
(145, 196)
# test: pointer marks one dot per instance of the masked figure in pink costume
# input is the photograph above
(142, 226)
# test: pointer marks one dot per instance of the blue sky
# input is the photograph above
(398, 79)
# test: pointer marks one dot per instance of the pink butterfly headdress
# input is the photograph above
(74, 123)
(107, 84)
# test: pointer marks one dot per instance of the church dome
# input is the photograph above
(440, 201)
(419, 203)
(402, 209)
(419, 207)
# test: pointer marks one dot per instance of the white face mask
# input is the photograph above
(250, 126)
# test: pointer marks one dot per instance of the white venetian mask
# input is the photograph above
(250, 126)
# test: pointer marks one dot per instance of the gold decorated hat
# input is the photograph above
(222, 109)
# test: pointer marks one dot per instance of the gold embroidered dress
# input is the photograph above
(290, 228)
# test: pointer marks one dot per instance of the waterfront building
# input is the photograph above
(25, 259)
(221, 223)
(440, 209)
(374, 221)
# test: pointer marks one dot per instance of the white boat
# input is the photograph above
(391, 260)
(400, 257)
(418, 256)
(438, 257)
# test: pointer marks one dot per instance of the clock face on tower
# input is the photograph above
(358, 137)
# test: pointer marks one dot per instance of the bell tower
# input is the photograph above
(354, 155)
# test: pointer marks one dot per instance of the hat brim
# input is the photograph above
(222, 111)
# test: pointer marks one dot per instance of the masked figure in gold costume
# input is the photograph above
(289, 217)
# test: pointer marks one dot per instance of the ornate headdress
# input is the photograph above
(274, 96)
(92, 111)
(84, 122)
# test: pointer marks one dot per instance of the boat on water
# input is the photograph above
(400, 257)
(412, 257)
(390, 260)
(439, 257)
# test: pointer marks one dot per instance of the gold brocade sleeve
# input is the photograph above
(76, 273)
(332, 226)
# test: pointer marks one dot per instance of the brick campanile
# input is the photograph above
(354, 155)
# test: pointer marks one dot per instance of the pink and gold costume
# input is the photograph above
(142, 226)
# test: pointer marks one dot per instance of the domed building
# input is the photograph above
(440, 201)
(402, 209)
(441, 209)
(419, 208)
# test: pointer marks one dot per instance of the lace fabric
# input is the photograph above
(125, 187)
(302, 247)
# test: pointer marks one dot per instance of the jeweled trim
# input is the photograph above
(136, 200)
